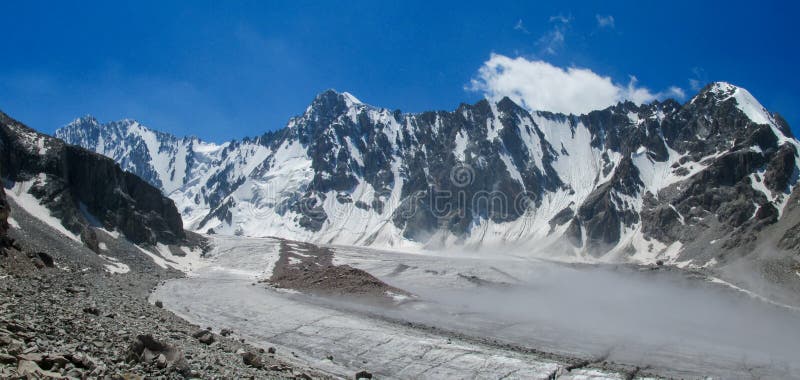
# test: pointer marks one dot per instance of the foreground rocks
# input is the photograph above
(59, 324)
(62, 316)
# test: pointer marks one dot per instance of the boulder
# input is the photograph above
(31, 370)
(7, 359)
(89, 238)
(204, 336)
(363, 375)
(145, 349)
(46, 259)
(82, 360)
(161, 361)
(252, 360)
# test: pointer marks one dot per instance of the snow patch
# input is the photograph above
(710, 263)
(21, 196)
(354, 152)
(751, 107)
(461, 146)
(115, 266)
(512, 169)
(40, 142)
(350, 99)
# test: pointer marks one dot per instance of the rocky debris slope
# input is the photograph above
(64, 314)
(85, 190)
(56, 325)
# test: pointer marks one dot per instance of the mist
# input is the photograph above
(649, 318)
(666, 321)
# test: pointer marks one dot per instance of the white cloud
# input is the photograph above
(553, 40)
(675, 92)
(605, 21)
(698, 78)
(538, 85)
(521, 27)
(561, 19)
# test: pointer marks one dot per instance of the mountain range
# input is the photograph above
(705, 183)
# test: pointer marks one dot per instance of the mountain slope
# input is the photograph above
(80, 191)
(628, 183)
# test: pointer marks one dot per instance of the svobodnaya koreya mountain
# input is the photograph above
(692, 184)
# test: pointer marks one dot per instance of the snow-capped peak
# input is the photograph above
(751, 107)
(331, 97)
(745, 101)
(86, 120)
(722, 88)
(351, 99)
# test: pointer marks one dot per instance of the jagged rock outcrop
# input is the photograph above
(84, 190)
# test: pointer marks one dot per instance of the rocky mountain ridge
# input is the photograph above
(667, 182)
(83, 190)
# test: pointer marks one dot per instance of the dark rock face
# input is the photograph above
(84, 189)
(790, 239)
(781, 171)
(605, 210)
(5, 210)
(562, 217)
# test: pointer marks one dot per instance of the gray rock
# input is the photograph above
(204, 336)
(7, 359)
(363, 375)
(252, 360)
(161, 361)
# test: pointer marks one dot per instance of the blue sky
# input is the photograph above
(222, 70)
